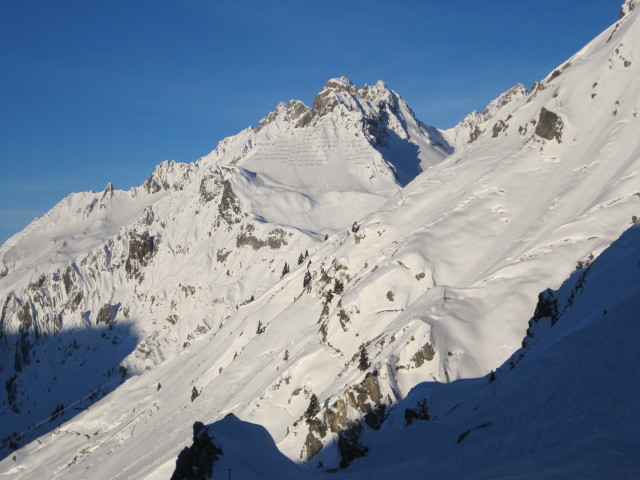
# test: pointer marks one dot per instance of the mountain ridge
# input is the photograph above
(218, 276)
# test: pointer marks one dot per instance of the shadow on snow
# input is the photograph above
(49, 379)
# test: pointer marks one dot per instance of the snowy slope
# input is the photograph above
(436, 284)
(474, 124)
(564, 406)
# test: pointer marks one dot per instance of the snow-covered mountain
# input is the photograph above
(141, 274)
(309, 273)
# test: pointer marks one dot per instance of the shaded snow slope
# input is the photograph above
(435, 281)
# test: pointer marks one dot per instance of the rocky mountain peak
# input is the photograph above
(341, 91)
(379, 88)
(334, 92)
(339, 84)
(290, 111)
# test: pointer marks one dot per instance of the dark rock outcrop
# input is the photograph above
(276, 238)
(312, 445)
(196, 462)
(365, 399)
(23, 349)
(229, 207)
(349, 445)
(327, 100)
(290, 112)
(107, 313)
(419, 412)
(208, 188)
(141, 249)
(499, 127)
(426, 353)
(549, 125)
(474, 134)
(25, 318)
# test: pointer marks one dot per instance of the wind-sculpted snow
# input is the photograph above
(291, 279)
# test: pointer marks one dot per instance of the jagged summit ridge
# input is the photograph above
(365, 141)
(372, 105)
(475, 123)
(215, 291)
(337, 91)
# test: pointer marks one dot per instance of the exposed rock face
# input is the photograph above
(327, 100)
(141, 249)
(68, 279)
(275, 238)
(474, 134)
(229, 208)
(152, 185)
(549, 125)
(222, 254)
(107, 313)
(25, 318)
(363, 401)
(419, 412)
(312, 445)
(336, 416)
(164, 177)
(196, 462)
(290, 112)
(23, 347)
(349, 445)
(426, 353)
(627, 7)
(208, 188)
(499, 127)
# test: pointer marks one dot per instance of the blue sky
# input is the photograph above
(93, 92)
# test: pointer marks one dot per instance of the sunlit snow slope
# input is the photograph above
(180, 286)
(564, 406)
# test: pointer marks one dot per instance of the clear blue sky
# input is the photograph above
(93, 91)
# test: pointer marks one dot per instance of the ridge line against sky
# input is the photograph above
(95, 92)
